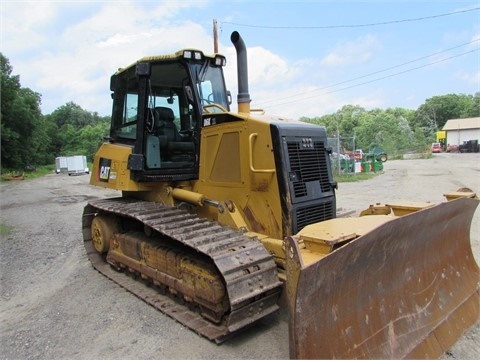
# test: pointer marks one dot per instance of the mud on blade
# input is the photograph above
(407, 289)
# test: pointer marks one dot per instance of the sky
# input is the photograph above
(305, 58)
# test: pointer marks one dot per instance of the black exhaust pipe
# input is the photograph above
(243, 97)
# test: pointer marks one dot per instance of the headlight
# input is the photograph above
(220, 61)
(192, 54)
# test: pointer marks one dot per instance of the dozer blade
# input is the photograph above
(407, 289)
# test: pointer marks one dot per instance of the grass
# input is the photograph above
(39, 172)
(5, 229)
(354, 177)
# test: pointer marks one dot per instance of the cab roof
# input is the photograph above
(166, 57)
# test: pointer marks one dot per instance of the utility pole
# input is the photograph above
(215, 37)
(354, 134)
(338, 145)
(338, 152)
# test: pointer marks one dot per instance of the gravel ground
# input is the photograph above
(54, 305)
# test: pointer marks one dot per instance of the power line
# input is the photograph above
(372, 73)
(353, 25)
(380, 78)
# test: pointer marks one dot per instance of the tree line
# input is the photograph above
(30, 138)
(397, 130)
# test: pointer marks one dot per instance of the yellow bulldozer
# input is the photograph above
(222, 215)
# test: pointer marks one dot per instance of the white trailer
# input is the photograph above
(61, 164)
(72, 165)
(77, 164)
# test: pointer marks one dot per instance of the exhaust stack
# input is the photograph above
(243, 97)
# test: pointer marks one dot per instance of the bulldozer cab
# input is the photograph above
(157, 108)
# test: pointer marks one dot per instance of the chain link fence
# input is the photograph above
(341, 163)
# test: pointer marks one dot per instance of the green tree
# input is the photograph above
(91, 137)
(73, 114)
(20, 111)
(78, 131)
(54, 135)
(348, 118)
(390, 129)
(344, 120)
(28, 137)
(472, 108)
(436, 111)
(397, 130)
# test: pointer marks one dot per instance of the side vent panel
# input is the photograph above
(304, 175)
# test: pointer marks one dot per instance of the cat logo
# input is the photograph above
(105, 165)
(104, 172)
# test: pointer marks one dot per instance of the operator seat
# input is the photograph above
(174, 147)
(164, 118)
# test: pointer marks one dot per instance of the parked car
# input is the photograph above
(452, 148)
(436, 147)
(470, 146)
(357, 154)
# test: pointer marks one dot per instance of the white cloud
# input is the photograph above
(472, 78)
(20, 22)
(119, 39)
(265, 69)
(352, 52)
(76, 61)
(307, 87)
(278, 86)
(475, 41)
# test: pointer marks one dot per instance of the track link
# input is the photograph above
(248, 270)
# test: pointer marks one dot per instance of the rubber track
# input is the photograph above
(248, 270)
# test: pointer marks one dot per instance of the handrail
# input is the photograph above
(268, 171)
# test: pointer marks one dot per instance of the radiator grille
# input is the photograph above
(315, 213)
(310, 165)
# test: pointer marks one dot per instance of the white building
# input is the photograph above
(460, 130)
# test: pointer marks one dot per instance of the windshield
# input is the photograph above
(211, 86)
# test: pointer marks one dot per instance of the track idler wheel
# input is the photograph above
(103, 227)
